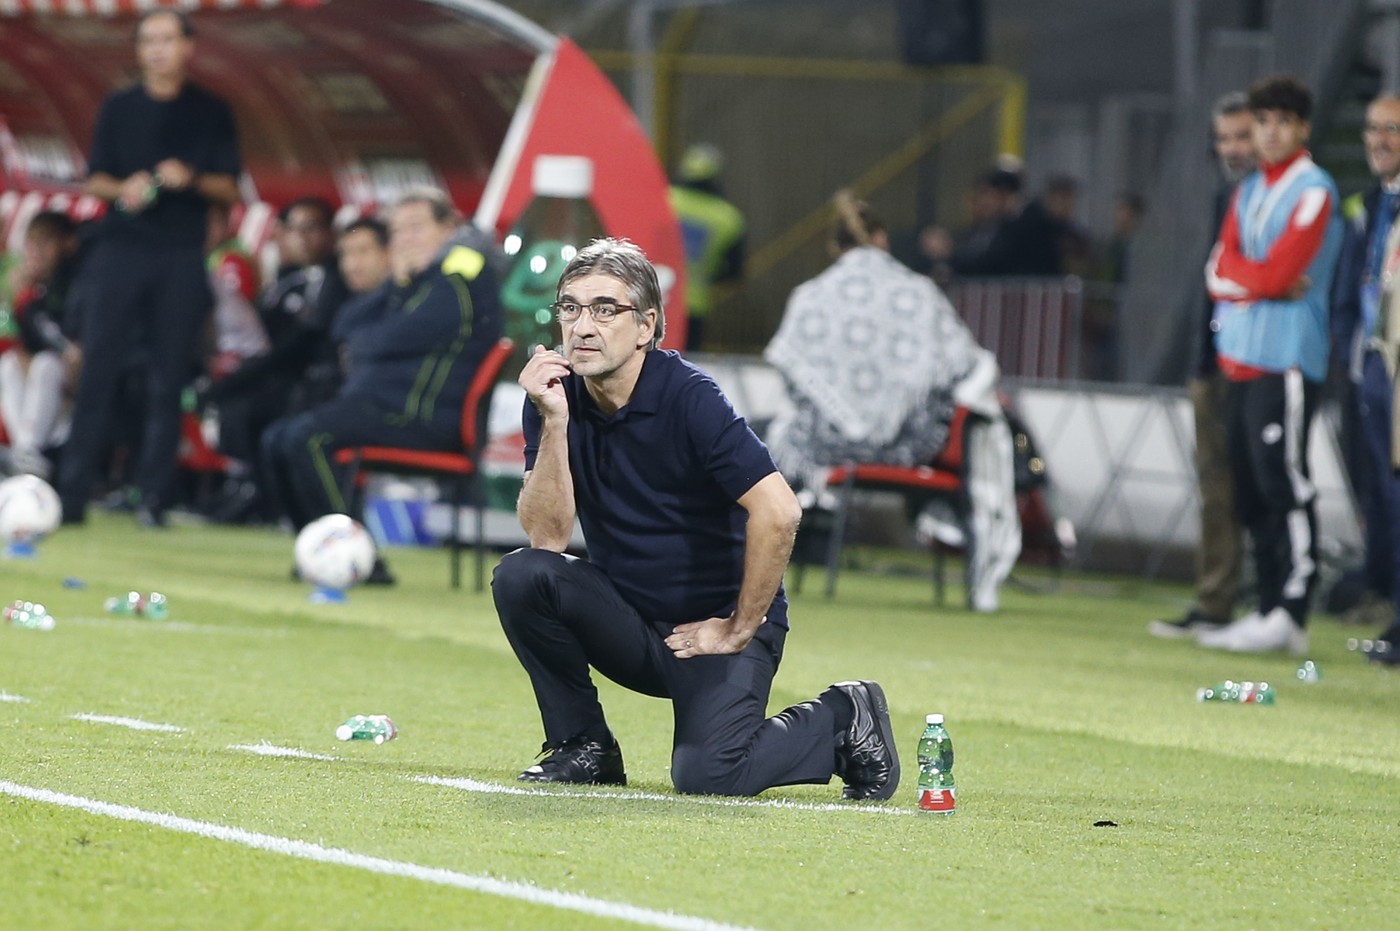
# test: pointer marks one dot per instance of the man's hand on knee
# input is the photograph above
(716, 636)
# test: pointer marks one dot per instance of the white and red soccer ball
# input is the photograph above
(29, 509)
(334, 552)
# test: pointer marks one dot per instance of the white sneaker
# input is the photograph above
(1254, 633)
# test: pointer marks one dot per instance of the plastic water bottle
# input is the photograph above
(557, 222)
(28, 616)
(937, 792)
(1239, 693)
(152, 607)
(1308, 672)
(375, 727)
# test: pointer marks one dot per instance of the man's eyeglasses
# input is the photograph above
(1381, 129)
(600, 311)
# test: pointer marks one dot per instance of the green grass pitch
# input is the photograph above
(1063, 712)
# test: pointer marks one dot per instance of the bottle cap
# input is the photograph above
(933, 719)
(562, 176)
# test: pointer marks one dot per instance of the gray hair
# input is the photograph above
(442, 209)
(1233, 102)
(624, 260)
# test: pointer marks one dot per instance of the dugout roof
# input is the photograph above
(348, 99)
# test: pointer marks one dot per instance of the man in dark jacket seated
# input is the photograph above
(412, 354)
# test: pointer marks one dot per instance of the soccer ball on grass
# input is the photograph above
(334, 552)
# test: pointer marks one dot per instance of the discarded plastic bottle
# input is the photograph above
(937, 792)
(1308, 672)
(1240, 693)
(152, 607)
(375, 727)
(28, 615)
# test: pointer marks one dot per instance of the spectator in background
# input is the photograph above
(1367, 325)
(1074, 244)
(299, 369)
(410, 363)
(993, 202)
(1221, 551)
(42, 366)
(876, 360)
(233, 278)
(365, 265)
(162, 151)
(1271, 275)
(712, 230)
(1101, 302)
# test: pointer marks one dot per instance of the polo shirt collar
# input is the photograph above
(646, 393)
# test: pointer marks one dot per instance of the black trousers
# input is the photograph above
(144, 298)
(1267, 424)
(296, 456)
(562, 615)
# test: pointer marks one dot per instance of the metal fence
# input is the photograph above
(1035, 326)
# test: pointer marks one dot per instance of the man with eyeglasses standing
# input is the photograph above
(417, 342)
(1364, 293)
(689, 528)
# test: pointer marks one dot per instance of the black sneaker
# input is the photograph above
(380, 574)
(1195, 622)
(866, 759)
(579, 761)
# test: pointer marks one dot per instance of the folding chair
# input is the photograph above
(945, 478)
(461, 468)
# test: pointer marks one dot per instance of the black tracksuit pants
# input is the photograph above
(1267, 423)
(296, 456)
(148, 298)
(562, 615)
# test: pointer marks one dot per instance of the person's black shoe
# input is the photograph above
(1186, 628)
(151, 516)
(866, 758)
(579, 761)
(380, 574)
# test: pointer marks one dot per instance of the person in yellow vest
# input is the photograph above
(713, 232)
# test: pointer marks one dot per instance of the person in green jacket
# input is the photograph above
(713, 233)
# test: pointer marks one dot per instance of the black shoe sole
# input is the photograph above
(538, 780)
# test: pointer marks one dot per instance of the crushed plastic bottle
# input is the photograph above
(375, 727)
(152, 607)
(1308, 672)
(1240, 693)
(28, 615)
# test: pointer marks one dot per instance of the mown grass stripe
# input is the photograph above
(267, 749)
(491, 788)
(305, 850)
(136, 724)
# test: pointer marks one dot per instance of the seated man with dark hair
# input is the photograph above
(412, 356)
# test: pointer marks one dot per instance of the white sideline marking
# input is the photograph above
(176, 627)
(267, 749)
(491, 788)
(309, 851)
(6, 696)
(136, 724)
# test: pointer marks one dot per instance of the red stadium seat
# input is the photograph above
(460, 467)
(944, 478)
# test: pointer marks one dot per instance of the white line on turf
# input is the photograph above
(491, 788)
(136, 724)
(305, 850)
(267, 749)
(6, 696)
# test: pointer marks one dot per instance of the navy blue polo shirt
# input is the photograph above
(656, 486)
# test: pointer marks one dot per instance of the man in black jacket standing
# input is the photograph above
(415, 347)
(162, 151)
(1221, 551)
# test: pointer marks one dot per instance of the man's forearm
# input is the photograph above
(102, 186)
(769, 537)
(546, 503)
(217, 188)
